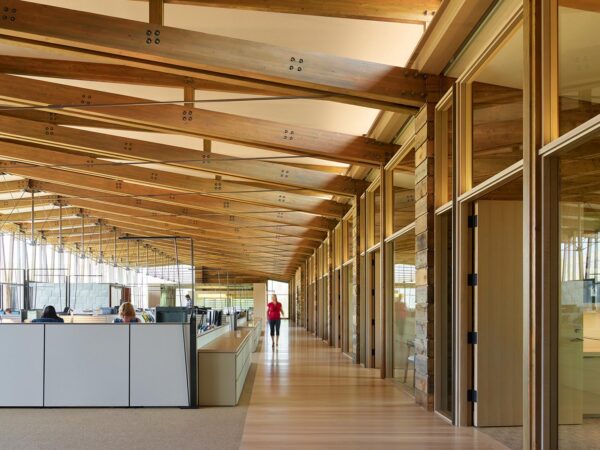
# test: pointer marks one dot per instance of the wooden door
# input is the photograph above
(498, 313)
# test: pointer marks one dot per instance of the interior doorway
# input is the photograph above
(373, 310)
(497, 336)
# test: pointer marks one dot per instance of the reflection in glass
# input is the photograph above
(578, 289)
(351, 309)
(403, 192)
(497, 93)
(377, 216)
(579, 65)
(446, 388)
(349, 238)
(404, 310)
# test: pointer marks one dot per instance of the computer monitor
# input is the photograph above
(171, 314)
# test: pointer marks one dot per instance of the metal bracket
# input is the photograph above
(472, 337)
(9, 13)
(152, 37)
(472, 396)
(296, 64)
(472, 221)
(472, 279)
(86, 99)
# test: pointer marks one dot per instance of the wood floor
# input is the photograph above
(309, 396)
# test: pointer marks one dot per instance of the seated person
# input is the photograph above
(49, 316)
(8, 311)
(127, 313)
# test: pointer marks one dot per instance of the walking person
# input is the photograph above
(274, 314)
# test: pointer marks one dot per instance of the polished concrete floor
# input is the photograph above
(307, 395)
(302, 395)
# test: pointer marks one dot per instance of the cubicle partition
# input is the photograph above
(96, 365)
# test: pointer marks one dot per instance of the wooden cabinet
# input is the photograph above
(223, 365)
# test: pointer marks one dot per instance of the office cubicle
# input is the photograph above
(96, 365)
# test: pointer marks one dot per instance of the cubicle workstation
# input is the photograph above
(96, 365)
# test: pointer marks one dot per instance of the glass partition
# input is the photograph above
(403, 192)
(578, 251)
(579, 64)
(404, 310)
(497, 115)
(351, 299)
(376, 217)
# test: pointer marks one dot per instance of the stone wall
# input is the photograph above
(424, 220)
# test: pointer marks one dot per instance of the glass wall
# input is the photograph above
(282, 290)
(47, 271)
(497, 100)
(579, 65)
(403, 193)
(579, 294)
(404, 310)
(349, 292)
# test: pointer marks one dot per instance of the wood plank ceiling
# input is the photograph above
(73, 161)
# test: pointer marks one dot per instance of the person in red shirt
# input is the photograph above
(274, 314)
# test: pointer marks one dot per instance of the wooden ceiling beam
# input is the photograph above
(13, 186)
(165, 226)
(182, 220)
(74, 194)
(402, 11)
(173, 118)
(213, 57)
(100, 144)
(18, 153)
(46, 179)
(25, 201)
(114, 73)
(202, 252)
(40, 215)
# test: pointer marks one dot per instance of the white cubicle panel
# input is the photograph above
(87, 365)
(22, 372)
(159, 365)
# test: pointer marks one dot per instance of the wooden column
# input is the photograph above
(356, 271)
(540, 427)
(330, 249)
(383, 187)
(156, 12)
(424, 219)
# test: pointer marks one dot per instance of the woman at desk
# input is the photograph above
(49, 316)
(127, 314)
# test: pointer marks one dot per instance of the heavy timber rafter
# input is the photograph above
(212, 57)
(181, 182)
(46, 179)
(100, 144)
(170, 118)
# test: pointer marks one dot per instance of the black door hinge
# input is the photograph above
(373, 352)
(373, 292)
(472, 279)
(472, 221)
(472, 396)
(472, 337)
(373, 322)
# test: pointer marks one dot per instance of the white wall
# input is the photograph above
(260, 300)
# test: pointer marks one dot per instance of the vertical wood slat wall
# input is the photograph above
(424, 244)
